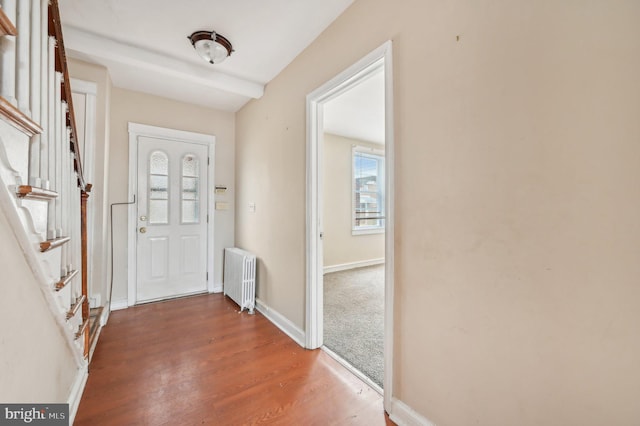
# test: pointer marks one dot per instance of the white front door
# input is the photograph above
(172, 219)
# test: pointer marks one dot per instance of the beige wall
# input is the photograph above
(36, 363)
(128, 106)
(98, 203)
(340, 247)
(517, 168)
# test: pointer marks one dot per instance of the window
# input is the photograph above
(368, 190)
(190, 198)
(158, 188)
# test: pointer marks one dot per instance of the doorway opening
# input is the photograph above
(367, 216)
(171, 224)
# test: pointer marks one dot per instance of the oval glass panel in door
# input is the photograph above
(190, 198)
(158, 188)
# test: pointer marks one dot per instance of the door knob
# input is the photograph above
(143, 230)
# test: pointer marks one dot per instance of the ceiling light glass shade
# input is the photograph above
(212, 47)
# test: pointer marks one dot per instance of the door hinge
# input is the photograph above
(207, 276)
(208, 161)
(207, 217)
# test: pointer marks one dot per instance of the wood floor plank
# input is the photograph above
(197, 361)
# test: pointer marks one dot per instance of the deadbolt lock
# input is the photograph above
(143, 218)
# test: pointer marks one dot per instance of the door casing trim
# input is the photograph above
(135, 131)
(314, 296)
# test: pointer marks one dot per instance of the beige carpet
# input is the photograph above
(354, 318)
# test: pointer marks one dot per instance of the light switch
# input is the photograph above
(252, 207)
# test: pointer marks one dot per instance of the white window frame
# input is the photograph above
(367, 152)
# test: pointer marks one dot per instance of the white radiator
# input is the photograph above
(240, 277)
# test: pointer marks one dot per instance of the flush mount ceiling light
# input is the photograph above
(211, 46)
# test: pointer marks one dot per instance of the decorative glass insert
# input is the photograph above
(190, 197)
(158, 188)
(368, 186)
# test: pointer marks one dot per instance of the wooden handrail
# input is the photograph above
(55, 30)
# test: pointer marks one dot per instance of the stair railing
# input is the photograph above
(36, 100)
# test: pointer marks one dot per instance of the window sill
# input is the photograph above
(367, 231)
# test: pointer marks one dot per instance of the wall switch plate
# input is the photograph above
(252, 207)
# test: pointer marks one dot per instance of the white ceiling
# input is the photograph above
(144, 43)
(359, 112)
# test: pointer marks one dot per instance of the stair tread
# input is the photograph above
(6, 26)
(51, 244)
(34, 192)
(82, 329)
(18, 119)
(66, 279)
(94, 328)
(76, 307)
(94, 317)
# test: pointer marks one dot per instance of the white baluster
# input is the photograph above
(72, 226)
(57, 160)
(44, 92)
(8, 63)
(74, 216)
(78, 237)
(62, 152)
(63, 195)
(67, 199)
(23, 56)
(52, 105)
(34, 92)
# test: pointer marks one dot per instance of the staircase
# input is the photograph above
(42, 189)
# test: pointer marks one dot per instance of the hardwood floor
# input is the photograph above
(197, 361)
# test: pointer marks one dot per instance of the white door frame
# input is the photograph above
(314, 295)
(135, 131)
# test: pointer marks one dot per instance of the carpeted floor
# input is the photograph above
(354, 318)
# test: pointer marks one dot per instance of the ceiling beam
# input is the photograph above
(98, 47)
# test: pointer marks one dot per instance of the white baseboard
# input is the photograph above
(76, 392)
(116, 305)
(403, 415)
(352, 265)
(217, 288)
(104, 317)
(289, 328)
